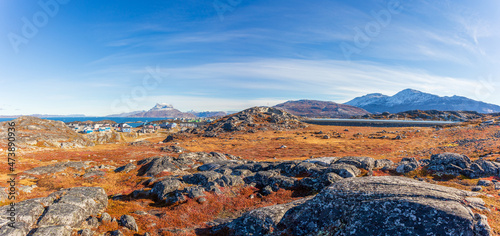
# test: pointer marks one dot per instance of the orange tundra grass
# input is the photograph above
(191, 214)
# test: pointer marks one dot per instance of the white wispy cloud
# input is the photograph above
(321, 79)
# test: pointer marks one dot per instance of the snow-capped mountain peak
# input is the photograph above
(410, 96)
(410, 99)
(162, 107)
(366, 99)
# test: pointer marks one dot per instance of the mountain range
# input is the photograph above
(324, 109)
(168, 111)
(405, 100)
(410, 99)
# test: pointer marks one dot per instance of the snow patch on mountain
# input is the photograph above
(410, 99)
(162, 107)
(365, 100)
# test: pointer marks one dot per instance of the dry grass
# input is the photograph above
(262, 146)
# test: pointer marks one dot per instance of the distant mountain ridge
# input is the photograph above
(166, 110)
(317, 109)
(126, 114)
(43, 115)
(410, 99)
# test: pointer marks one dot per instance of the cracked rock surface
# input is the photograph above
(56, 214)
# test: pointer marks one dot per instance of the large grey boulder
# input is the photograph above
(61, 230)
(63, 214)
(385, 205)
(323, 161)
(55, 168)
(73, 206)
(230, 180)
(129, 222)
(157, 166)
(271, 178)
(27, 211)
(195, 191)
(260, 221)
(163, 188)
(204, 157)
(92, 198)
(286, 167)
(306, 169)
(19, 229)
(126, 168)
(383, 163)
(344, 170)
(449, 163)
(483, 168)
(56, 214)
(201, 178)
(366, 163)
(407, 164)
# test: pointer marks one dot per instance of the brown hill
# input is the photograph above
(248, 121)
(36, 132)
(261, 118)
(323, 109)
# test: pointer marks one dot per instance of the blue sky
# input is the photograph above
(102, 57)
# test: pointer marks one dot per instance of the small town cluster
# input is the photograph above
(146, 127)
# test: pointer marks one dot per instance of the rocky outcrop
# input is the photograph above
(404, 207)
(452, 163)
(126, 168)
(459, 164)
(174, 149)
(268, 177)
(344, 170)
(366, 163)
(162, 189)
(383, 164)
(55, 168)
(129, 222)
(156, 165)
(323, 161)
(104, 137)
(407, 165)
(36, 132)
(260, 221)
(56, 214)
(369, 206)
(256, 118)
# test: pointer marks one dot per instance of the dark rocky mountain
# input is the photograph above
(314, 108)
(410, 99)
(164, 110)
(168, 111)
(208, 114)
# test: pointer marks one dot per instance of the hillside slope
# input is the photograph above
(314, 108)
(36, 132)
(410, 99)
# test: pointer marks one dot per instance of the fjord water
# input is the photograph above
(133, 121)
